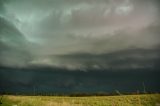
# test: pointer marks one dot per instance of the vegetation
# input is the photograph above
(123, 100)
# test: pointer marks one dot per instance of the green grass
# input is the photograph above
(126, 100)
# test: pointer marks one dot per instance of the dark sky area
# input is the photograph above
(79, 45)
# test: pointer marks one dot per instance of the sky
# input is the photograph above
(79, 38)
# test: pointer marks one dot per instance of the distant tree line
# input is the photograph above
(77, 94)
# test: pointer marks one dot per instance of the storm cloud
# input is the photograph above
(37, 32)
(59, 81)
(79, 45)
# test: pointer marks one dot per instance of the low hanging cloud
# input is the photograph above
(121, 60)
(81, 35)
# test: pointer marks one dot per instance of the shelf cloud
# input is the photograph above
(83, 35)
(65, 46)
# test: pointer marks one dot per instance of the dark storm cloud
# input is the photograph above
(49, 29)
(43, 80)
(124, 59)
(79, 45)
(13, 49)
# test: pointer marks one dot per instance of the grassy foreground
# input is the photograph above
(126, 100)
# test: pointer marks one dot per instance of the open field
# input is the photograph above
(126, 100)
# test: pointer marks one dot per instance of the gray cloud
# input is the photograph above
(13, 48)
(2, 9)
(47, 30)
(121, 60)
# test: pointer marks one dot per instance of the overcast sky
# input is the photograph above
(79, 34)
(61, 46)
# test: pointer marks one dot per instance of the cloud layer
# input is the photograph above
(81, 35)
(59, 81)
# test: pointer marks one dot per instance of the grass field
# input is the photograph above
(126, 100)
